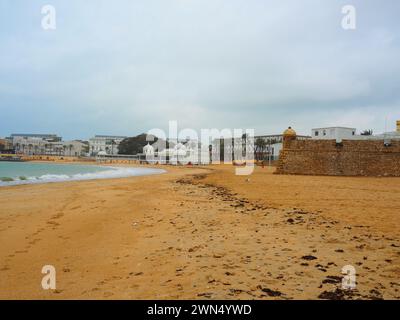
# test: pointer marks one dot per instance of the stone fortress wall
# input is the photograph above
(348, 158)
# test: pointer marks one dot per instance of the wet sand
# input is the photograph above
(197, 233)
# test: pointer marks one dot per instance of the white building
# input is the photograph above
(75, 148)
(108, 144)
(45, 137)
(29, 145)
(333, 133)
(42, 146)
(344, 133)
(185, 152)
(148, 150)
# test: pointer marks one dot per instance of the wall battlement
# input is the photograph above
(349, 158)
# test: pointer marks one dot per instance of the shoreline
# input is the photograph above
(85, 176)
(202, 233)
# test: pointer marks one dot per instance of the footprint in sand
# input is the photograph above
(108, 294)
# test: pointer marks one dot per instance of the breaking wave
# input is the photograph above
(108, 173)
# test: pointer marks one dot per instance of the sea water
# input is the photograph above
(12, 173)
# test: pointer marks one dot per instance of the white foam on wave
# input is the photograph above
(108, 173)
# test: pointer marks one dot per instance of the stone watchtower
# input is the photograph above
(288, 135)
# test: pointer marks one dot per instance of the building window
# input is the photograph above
(324, 132)
(316, 133)
(354, 133)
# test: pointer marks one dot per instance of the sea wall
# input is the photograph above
(78, 159)
(55, 158)
(349, 158)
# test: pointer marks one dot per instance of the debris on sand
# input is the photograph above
(332, 280)
(270, 292)
(338, 294)
(309, 257)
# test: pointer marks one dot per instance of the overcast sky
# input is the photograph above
(124, 67)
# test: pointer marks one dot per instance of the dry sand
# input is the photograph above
(197, 233)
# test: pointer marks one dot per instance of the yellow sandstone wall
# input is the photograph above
(350, 158)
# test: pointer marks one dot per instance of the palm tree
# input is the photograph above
(112, 146)
(260, 146)
(85, 149)
(221, 149)
(368, 132)
(244, 144)
(70, 146)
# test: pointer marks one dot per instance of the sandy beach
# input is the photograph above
(202, 233)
